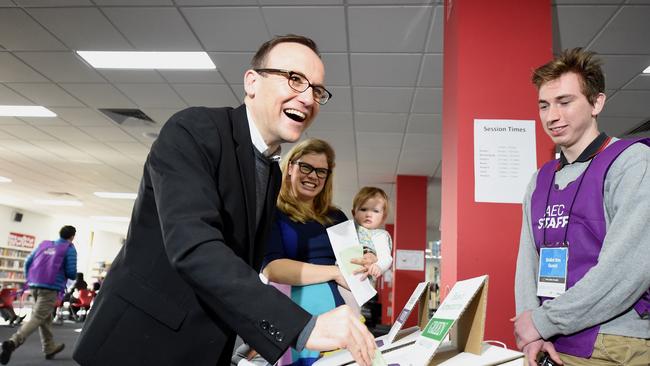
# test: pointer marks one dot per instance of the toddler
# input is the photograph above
(370, 209)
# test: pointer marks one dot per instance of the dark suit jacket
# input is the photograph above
(186, 281)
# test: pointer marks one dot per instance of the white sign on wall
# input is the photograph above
(504, 159)
(409, 260)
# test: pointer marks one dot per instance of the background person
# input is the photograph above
(46, 269)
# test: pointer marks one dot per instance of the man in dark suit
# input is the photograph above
(186, 281)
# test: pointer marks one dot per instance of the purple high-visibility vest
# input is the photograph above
(47, 262)
(584, 215)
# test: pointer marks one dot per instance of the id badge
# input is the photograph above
(552, 276)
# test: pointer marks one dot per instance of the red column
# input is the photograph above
(490, 49)
(410, 235)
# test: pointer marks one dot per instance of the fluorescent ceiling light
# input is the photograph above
(147, 60)
(25, 111)
(117, 195)
(59, 202)
(647, 70)
(111, 218)
(5, 179)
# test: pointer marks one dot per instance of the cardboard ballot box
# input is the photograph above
(452, 337)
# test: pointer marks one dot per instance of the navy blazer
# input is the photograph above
(186, 280)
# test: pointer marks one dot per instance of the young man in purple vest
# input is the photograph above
(47, 268)
(582, 279)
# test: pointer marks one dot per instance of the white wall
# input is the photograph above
(92, 244)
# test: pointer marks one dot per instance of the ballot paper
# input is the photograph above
(345, 245)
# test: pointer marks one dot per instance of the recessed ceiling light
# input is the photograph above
(647, 70)
(111, 218)
(5, 180)
(117, 195)
(59, 202)
(147, 60)
(25, 111)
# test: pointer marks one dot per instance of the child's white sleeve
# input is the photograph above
(384, 248)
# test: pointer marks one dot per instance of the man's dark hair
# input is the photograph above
(260, 56)
(582, 62)
(67, 232)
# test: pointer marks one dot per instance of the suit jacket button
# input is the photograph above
(279, 336)
(264, 324)
(272, 329)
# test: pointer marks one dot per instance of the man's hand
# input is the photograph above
(532, 349)
(341, 328)
(525, 331)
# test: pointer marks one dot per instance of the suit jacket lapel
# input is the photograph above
(246, 162)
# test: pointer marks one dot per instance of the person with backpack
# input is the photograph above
(46, 268)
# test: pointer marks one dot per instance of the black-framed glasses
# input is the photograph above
(306, 169)
(299, 83)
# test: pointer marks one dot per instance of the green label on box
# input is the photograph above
(437, 329)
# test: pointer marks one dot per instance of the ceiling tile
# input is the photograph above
(388, 100)
(48, 95)
(369, 30)
(100, 95)
(132, 76)
(153, 29)
(385, 140)
(14, 70)
(301, 2)
(428, 100)
(209, 95)
(619, 69)
(18, 31)
(11, 121)
(641, 82)
(325, 25)
(193, 76)
(215, 27)
(577, 25)
(215, 2)
(81, 116)
(371, 154)
(341, 102)
(436, 31)
(152, 95)
(10, 97)
(628, 103)
(423, 141)
(332, 121)
(342, 142)
(380, 122)
(618, 126)
(62, 3)
(626, 33)
(26, 132)
(81, 28)
(232, 65)
(337, 71)
(60, 66)
(44, 121)
(133, 2)
(432, 71)
(424, 123)
(67, 133)
(382, 69)
(108, 133)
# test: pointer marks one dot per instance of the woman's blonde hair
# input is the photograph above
(289, 204)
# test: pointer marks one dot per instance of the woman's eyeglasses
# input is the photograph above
(306, 169)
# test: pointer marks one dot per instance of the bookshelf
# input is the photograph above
(12, 259)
